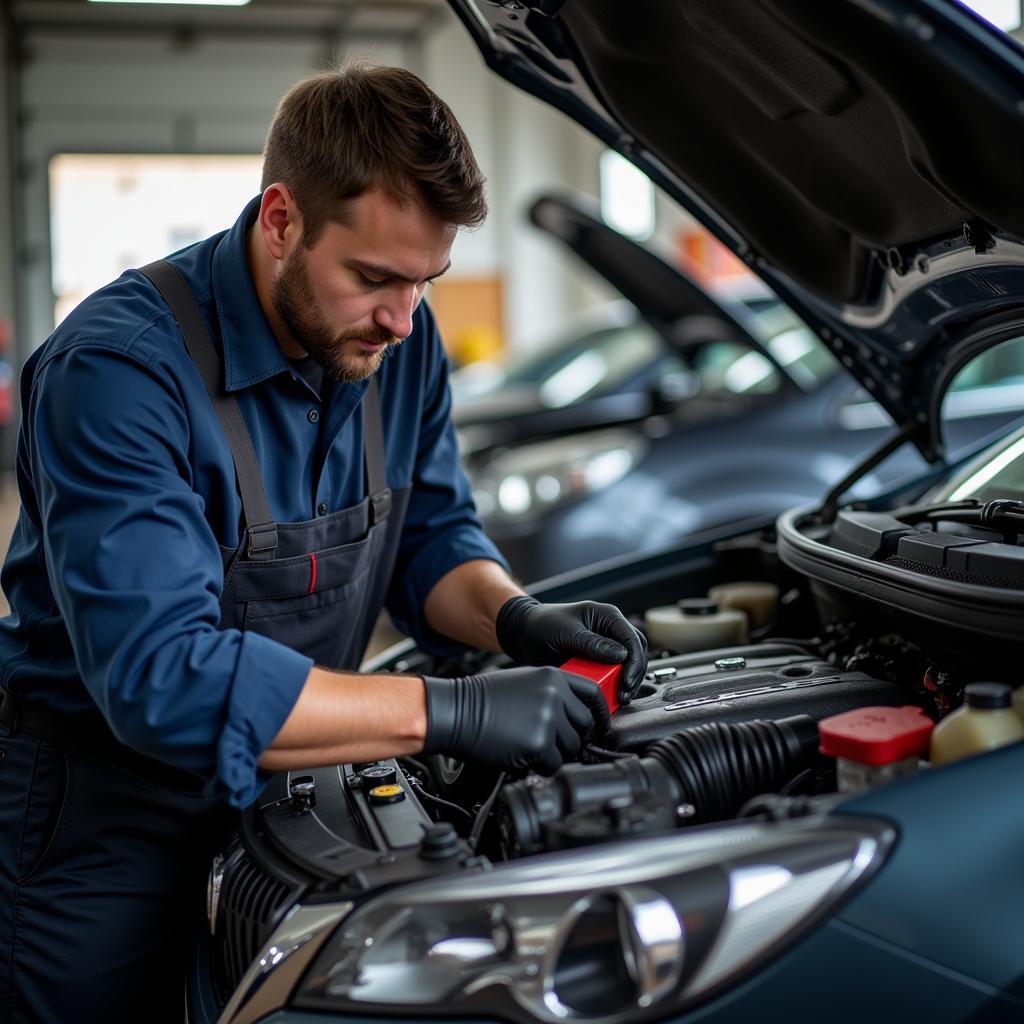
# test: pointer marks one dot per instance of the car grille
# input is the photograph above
(251, 903)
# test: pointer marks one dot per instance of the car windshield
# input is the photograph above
(998, 474)
(583, 362)
(797, 348)
(729, 366)
(604, 357)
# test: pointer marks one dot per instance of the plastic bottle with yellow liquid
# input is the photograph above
(984, 721)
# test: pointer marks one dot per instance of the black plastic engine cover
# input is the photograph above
(736, 684)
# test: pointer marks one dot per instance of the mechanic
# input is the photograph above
(229, 462)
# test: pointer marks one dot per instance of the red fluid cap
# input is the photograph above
(876, 735)
(606, 677)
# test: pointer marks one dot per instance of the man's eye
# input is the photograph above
(370, 282)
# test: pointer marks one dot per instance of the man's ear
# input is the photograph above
(279, 222)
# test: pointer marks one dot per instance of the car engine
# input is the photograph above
(875, 611)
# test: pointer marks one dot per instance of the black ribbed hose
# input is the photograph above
(716, 768)
(719, 766)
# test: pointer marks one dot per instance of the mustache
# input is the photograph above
(376, 335)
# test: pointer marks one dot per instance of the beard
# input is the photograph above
(337, 352)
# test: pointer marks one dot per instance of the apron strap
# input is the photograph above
(373, 450)
(260, 527)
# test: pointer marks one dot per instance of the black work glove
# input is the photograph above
(550, 634)
(521, 718)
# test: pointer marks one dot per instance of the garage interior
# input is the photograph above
(90, 90)
(94, 95)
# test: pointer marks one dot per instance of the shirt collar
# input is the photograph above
(251, 351)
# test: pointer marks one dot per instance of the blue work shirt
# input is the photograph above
(128, 492)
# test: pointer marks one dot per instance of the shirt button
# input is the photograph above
(322, 508)
(312, 415)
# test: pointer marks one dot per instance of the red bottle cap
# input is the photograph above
(876, 735)
(606, 677)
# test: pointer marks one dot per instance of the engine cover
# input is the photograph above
(736, 684)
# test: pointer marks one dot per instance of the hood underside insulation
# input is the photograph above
(821, 133)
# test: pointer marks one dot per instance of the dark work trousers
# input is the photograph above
(91, 856)
(103, 870)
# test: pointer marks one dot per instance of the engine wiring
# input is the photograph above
(1005, 515)
(484, 813)
(423, 793)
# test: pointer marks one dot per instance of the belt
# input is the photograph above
(91, 737)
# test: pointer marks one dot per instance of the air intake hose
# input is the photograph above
(718, 767)
(713, 769)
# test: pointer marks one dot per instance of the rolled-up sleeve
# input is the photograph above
(442, 529)
(136, 573)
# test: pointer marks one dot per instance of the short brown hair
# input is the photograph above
(342, 132)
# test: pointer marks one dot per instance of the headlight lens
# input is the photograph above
(605, 934)
(527, 480)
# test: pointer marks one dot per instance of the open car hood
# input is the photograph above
(864, 157)
(681, 309)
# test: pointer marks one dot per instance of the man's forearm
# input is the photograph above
(346, 718)
(464, 604)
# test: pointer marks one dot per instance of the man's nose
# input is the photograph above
(395, 314)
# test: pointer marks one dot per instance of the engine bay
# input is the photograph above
(716, 733)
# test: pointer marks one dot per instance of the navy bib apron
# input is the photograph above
(103, 852)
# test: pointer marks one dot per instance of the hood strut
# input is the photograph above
(909, 432)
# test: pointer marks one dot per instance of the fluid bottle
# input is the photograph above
(695, 624)
(985, 720)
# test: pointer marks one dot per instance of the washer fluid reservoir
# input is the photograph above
(695, 624)
(759, 600)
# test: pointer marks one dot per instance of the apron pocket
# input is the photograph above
(319, 622)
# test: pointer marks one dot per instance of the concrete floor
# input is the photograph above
(384, 636)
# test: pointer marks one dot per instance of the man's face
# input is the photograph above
(353, 294)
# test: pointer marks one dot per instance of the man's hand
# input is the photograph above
(522, 718)
(549, 634)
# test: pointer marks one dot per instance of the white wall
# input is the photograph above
(523, 147)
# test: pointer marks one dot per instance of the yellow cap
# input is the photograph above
(386, 792)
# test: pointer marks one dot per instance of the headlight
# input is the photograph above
(608, 934)
(526, 480)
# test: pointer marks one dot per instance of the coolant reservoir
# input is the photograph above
(759, 600)
(985, 720)
(695, 624)
(874, 745)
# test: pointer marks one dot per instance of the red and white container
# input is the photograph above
(875, 745)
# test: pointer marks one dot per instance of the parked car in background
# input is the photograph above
(774, 828)
(671, 412)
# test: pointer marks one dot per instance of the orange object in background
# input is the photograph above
(702, 256)
(606, 677)
(470, 314)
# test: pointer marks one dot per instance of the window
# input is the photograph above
(111, 212)
(627, 197)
